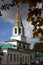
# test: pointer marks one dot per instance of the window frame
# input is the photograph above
(14, 57)
(17, 58)
(19, 30)
(15, 30)
(10, 57)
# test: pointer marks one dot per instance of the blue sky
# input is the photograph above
(5, 29)
(7, 20)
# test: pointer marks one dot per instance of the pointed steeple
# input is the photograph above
(18, 20)
(18, 29)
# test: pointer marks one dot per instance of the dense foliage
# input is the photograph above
(38, 47)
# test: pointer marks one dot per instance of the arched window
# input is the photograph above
(19, 30)
(15, 30)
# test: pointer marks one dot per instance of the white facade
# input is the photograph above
(13, 31)
(14, 43)
(7, 60)
(4, 58)
(19, 37)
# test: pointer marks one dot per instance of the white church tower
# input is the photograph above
(18, 29)
(16, 50)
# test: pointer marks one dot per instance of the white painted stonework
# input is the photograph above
(19, 37)
(14, 43)
(13, 31)
(4, 58)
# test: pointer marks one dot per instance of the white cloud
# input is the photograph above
(32, 41)
(39, 5)
(42, 14)
(10, 14)
(28, 29)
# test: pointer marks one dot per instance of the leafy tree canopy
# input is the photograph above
(38, 47)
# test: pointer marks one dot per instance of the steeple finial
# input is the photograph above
(18, 20)
(17, 13)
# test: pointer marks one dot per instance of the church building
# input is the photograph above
(16, 51)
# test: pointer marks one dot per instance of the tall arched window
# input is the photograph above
(19, 30)
(15, 30)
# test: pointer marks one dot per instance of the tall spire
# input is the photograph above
(18, 29)
(18, 20)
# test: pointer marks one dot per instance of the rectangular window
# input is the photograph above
(17, 57)
(20, 45)
(23, 58)
(28, 58)
(1, 53)
(27, 46)
(14, 57)
(10, 57)
(24, 46)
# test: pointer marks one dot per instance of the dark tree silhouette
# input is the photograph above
(38, 47)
